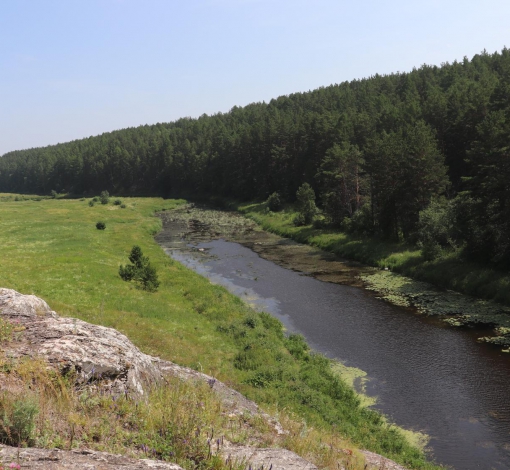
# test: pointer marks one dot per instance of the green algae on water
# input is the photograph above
(357, 379)
(459, 309)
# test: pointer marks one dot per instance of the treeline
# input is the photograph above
(421, 156)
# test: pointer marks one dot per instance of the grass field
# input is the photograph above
(51, 248)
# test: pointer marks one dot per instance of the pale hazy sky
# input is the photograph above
(75, 68)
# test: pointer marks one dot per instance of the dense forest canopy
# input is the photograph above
(423, 155)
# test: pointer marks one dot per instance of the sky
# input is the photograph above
(74, 68)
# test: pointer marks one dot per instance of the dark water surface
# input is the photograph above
(426, 377)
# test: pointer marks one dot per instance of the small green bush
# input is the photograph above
(95, 199)
(140, 271)
(123, 206)
(305, 196)
(6, 329)
(53, 194)
(360, 223)
(17, 420)
(104, 197)
(100, 225)
(431, 250)
(437, 229)
(299, 220)
(274, 202)
(117, 202)
(320, 222)
(91, 203)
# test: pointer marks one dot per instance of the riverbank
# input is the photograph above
(449, 272)
(52, 248)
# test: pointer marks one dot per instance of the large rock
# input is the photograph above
(100, 356)
(104, 358)
(76, 459)
(268, 458)
(97, 354)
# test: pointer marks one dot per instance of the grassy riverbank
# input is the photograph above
(449, 271)
(52, 248)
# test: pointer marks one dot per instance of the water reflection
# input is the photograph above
(426, 376)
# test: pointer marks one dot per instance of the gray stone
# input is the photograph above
(95, 353)
(276, 459)
(76, 459)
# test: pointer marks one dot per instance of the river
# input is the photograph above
(426, 376)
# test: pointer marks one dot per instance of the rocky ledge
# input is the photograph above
(104, 358)
(77, 459)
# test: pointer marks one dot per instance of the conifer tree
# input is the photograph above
(141, 271)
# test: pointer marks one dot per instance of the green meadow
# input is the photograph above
(51, 248)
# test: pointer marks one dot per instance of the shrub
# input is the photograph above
(305, 196)
(437, 223)
(431, 251)
(100, 225)
(123, 206)
(360, 223)
(320, 222)
(104, 197)
(437, 228)
(299, 220)
(274, 202)
(53, 194)
(95, 199)
(91, 203)
(17, 420)
(117, 202)
(140, 271)
(6, 329)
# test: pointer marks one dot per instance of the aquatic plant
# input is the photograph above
(459, 309)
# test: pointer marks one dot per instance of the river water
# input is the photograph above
(426, 376)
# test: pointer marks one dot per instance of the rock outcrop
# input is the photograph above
(276, 459)
(104, 358)
(98, 355)
(95, 353)
(77, 459)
